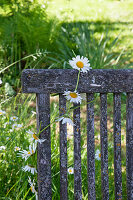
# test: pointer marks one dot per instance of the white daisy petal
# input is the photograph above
(15, 126)
(2, 112)
(29, 169)
(80, 63)
(32, 187)
(34, 137)
(65, 120)
(98, 155)
(2, 147)
(26, 154)
(14, 118)
(74, 97)
(17, 148)
(0, 81)
(70, 170)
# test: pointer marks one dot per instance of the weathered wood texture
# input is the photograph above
(104, 147)
(44, 82)
(90, 147)
(77, 154)
(63, 150)
(129, 146)
(44, 149)
(117, 147)
(58, 80)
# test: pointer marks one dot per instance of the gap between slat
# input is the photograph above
(90, 147)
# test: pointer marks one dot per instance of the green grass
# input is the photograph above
(14, 180)
(36, 37)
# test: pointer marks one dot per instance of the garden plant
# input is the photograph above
(54, 34)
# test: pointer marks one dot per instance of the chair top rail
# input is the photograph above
(94, 81)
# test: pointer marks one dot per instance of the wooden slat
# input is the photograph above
(63, 150)
(44, 149)
(117, 147)
(90, 147)
(129, 146)
(104, 147)
(77, 154)
(55, 80)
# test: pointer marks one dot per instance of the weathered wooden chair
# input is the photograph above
(43, 82)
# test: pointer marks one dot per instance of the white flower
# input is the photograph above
(34, 137)
(2, 147)
(26, 154)
(14, 118)
(98, 155)
(33, 112)
(80, 63)
(29, 169)
(2, 112)
(32, 187)
(43, 6)
(17, 148)
(65, 120)
(0, 81)
(70, 170)
(74, 97)
(15, 126)
(6, 123)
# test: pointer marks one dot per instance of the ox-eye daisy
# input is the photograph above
(2, 147)
(2, 112)
(65, 120)
(70, 170)
(80, 63)
(29, 169)
(14, 118)
(98, 155)
(74, 97)
(15, 126)
(34, 137)
(17, 148)
(0, 81)
(26, 154)
(32, 187)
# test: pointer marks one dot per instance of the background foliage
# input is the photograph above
(46, 34)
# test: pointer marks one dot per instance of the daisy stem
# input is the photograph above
(77, 81)
(46, 127)
(71, 108)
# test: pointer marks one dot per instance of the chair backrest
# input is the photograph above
(43, 82)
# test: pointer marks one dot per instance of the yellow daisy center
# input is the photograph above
(0, 113)
(80, 64)
(99, 155)
(29, 152)
(14, 117)
(73, 95)
(17, 148)
(35, 137)
(31, 188)
(70, 170)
